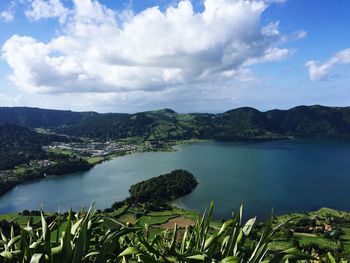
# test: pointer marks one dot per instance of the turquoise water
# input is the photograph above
(286, 176)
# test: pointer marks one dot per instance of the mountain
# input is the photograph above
(237, 124)
(41, 118)
(240, 123)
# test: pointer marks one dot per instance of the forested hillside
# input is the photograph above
(237, 124)
(153, 125)
(312, 121)
(20, 144)
(41, 118)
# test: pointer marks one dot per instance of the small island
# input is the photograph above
(164, 188)
(157, 193)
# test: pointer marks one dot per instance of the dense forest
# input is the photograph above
(18, 145)
(41, 118)
(237, 124)
(164, 188)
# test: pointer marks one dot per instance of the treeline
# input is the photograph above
(65, 166)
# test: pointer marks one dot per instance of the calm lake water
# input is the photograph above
(286, 176)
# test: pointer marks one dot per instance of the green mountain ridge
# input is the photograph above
(41, 118)
(237, 124)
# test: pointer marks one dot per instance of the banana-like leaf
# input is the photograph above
(231, 259)
(249, 226)
(129, 251)
(36, 258)
(13, 241)
(199, 257)
(331, 258)
(7, 254)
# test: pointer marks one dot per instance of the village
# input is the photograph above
(91, 149)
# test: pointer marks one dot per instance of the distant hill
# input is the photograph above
(41, 118)
(237, 124)
(240, 123)
(151, 125)
(311, 121)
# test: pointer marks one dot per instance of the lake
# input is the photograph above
(288, 176)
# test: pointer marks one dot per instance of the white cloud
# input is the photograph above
(270, 54)
(7, 15)
(104, 51)
(43, 9)
(6, 100)
(243, 74)
(299, 35)
(318, 71)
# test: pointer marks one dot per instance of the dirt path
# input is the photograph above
(181, 222)
(305, 234)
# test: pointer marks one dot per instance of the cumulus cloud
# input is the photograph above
(43, 9)
(319, 71)
(100, 50)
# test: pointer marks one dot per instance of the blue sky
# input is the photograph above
(192, 56)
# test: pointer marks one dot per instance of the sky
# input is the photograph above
(190, 56)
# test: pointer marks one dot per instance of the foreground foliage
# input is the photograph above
(94, 237)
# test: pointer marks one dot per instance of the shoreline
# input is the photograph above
(170, 147)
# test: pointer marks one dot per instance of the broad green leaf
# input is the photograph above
(200, 257)
(331, 258)
(7, 254)
(230, 260)
(249, 226)
(129, 251)
(13, 241)
(36, 258)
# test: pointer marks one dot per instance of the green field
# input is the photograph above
(95, 160)
(61, 151)
(20, 219)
